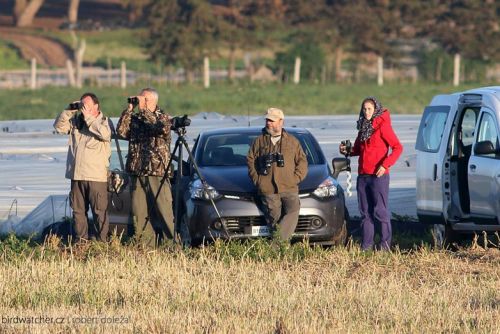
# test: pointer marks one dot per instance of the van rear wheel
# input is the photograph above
(444, 236)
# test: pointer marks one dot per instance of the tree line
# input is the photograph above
(182, 32)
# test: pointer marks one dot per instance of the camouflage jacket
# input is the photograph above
(149, 139)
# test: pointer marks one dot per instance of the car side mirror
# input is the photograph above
(339, 165)
(484, 148)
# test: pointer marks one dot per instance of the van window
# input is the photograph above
(431, 128)
(488, 131)
(468, 125)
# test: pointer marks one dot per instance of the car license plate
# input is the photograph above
(257, 231)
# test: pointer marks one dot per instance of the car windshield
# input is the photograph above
(232, 149)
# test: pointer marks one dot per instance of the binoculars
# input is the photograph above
(268, 159)
(133, 100)
(74, 105)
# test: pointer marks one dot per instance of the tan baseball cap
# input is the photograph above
(274, 114)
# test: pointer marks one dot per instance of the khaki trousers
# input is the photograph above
(282, 212)
(153, 221)
(85, 194)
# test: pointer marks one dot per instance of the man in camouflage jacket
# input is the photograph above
(148, 133)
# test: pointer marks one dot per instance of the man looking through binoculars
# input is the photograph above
(276, 165)
(148, 133)
(87, 164)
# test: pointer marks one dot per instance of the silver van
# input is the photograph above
(458, 163)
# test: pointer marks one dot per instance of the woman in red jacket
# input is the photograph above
(375, 138)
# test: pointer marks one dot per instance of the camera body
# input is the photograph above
(74, 105)
(133, 100)
(348, 146)
(266, 162)
(180, 122)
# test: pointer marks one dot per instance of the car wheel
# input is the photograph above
(340, 238)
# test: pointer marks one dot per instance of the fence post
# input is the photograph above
(296, 72)
(380, 71)
(79, 62)
(456, 70)
(109, 67)
(33, 73)
(206, 72)
(123, 75)
(71, 73)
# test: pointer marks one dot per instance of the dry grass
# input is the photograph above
(254, 287)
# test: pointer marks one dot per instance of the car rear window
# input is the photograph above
(232, 149)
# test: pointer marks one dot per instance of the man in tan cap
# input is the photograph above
(276, 165)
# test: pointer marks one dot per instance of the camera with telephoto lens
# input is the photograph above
(180, 122)
(266, 162)
(74, 105)
(348, 146)
(133, 100)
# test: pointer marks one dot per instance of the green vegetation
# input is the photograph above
(236, 99)
(9, 57)
(252, 287)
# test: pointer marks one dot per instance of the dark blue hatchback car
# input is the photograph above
(227, 206)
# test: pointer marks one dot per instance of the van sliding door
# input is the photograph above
(484, 170)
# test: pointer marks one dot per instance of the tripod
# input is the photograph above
(181, 144)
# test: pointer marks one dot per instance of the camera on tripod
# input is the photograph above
(75, 105)
(348, 146)
(180, 122)
(267, 160)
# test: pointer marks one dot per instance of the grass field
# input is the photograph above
(256, 287)
(230, 99)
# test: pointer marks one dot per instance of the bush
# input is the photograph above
(311, 55)
(437, 66)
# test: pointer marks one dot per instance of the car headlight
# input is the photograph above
(199, 192)
(327, 188)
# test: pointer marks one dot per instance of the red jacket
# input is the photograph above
(374, 152)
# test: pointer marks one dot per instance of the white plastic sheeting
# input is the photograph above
(33, 159)
(52, 210)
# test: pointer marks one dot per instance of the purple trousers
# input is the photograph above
(373, 200)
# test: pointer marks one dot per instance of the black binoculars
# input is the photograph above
(74, 105)
(268, 159)
(133, 100)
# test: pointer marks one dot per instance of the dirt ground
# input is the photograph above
(52, 14)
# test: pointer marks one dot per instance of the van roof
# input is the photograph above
(483, 90)
(491, 93)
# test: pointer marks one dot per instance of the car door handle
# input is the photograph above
(473, 168)
(435, 174)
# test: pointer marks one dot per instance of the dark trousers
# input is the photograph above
(282, 212)
(85, 194)
(373, 200)
(153, 221)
